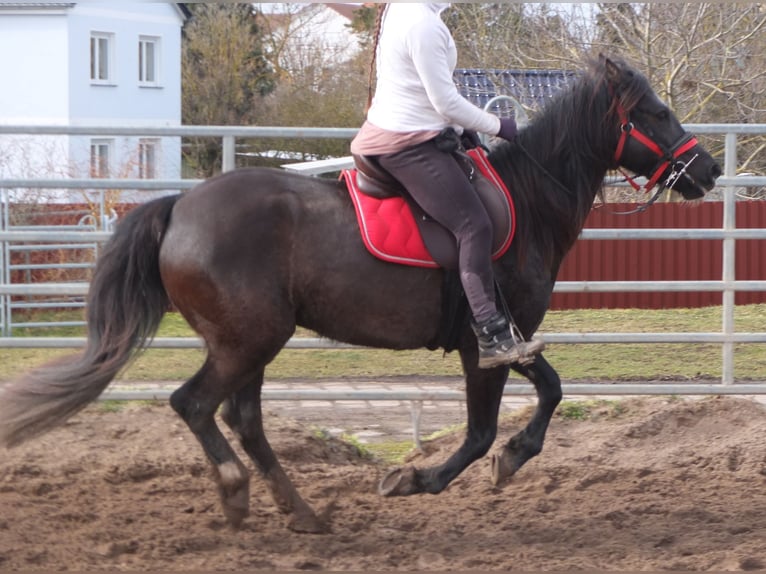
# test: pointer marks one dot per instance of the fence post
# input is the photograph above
(729, 251)
(4, 264)
(229, 151)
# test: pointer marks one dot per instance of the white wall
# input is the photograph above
(32, 61)
(45, 66)
(125, 102)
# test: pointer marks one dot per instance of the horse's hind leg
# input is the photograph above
(242, 412)
(528, 442)
(196, 402)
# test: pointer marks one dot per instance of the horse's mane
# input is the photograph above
(556, 166)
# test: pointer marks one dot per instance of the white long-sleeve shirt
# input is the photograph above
(415, 89)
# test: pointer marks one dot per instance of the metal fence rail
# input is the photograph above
(523, 389)
(728, 285)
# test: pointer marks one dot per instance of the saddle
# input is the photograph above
(395, 229)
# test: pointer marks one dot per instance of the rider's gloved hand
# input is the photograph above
(470, 139)
(507, 129)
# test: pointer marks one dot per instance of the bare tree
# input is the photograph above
(224, 75)
(321, 62)
(705, 59)
(520, 36)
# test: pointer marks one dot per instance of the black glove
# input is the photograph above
(507, 129)
(470, 139)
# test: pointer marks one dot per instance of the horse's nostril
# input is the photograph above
(716, 171)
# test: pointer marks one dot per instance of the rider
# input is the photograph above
(415, 99)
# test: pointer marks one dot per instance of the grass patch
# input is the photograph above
(115, 406)
(110, 406)
(612, 362)
(325, 436)
(448, 430)
(362, 449)
(591, 409)
(390, 452)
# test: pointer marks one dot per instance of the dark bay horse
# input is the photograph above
(249, 255)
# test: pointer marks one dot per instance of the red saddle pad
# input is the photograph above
(389, 229)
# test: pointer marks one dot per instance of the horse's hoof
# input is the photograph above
(235, 515)
(501, 468)
(307, 524)
(236, 506)
(399, 482)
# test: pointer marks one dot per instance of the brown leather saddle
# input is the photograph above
(376, 182)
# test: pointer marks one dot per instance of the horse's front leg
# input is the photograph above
(529, 441)
(484, 392)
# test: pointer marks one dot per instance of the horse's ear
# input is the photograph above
(613, 71)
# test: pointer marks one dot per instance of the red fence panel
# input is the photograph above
(662, 260)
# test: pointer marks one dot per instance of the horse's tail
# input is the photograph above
(125, 304)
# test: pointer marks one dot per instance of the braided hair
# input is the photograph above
(381, 8)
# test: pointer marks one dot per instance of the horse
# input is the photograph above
(248, 255)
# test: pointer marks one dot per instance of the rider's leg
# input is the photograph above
(441, 188)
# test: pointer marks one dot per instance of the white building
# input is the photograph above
(85, 63)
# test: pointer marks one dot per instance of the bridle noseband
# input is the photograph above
(666, 157)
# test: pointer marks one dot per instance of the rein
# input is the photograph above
(548, 174)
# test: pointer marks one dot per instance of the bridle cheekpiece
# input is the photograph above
(666, 157)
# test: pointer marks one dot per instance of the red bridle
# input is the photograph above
(666, 157)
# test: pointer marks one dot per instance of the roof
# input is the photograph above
(531, 88)
(345, 9)
(182, 8)
(35, 5)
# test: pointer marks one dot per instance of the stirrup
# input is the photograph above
(501, 343)
(528, 349)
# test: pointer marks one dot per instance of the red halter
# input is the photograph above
(666, 157)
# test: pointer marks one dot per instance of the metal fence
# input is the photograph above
(728, 285)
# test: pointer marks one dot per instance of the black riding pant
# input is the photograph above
(438, 184)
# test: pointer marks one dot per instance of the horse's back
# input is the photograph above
(247, 188)
(241, 207)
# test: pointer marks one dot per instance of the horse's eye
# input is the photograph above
(663, 115)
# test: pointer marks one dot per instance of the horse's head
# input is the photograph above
(652, 142)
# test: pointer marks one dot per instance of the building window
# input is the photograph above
(100, 157)
(148, 152)
(149, 60)
(101, 57)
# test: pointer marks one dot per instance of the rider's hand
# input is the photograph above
(507, 129)
(470, 139)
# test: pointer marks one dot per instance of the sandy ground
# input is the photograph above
(649, 484)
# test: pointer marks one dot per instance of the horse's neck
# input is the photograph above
(572, 172)
(554, 190)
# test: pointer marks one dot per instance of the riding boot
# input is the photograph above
(497, 345)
